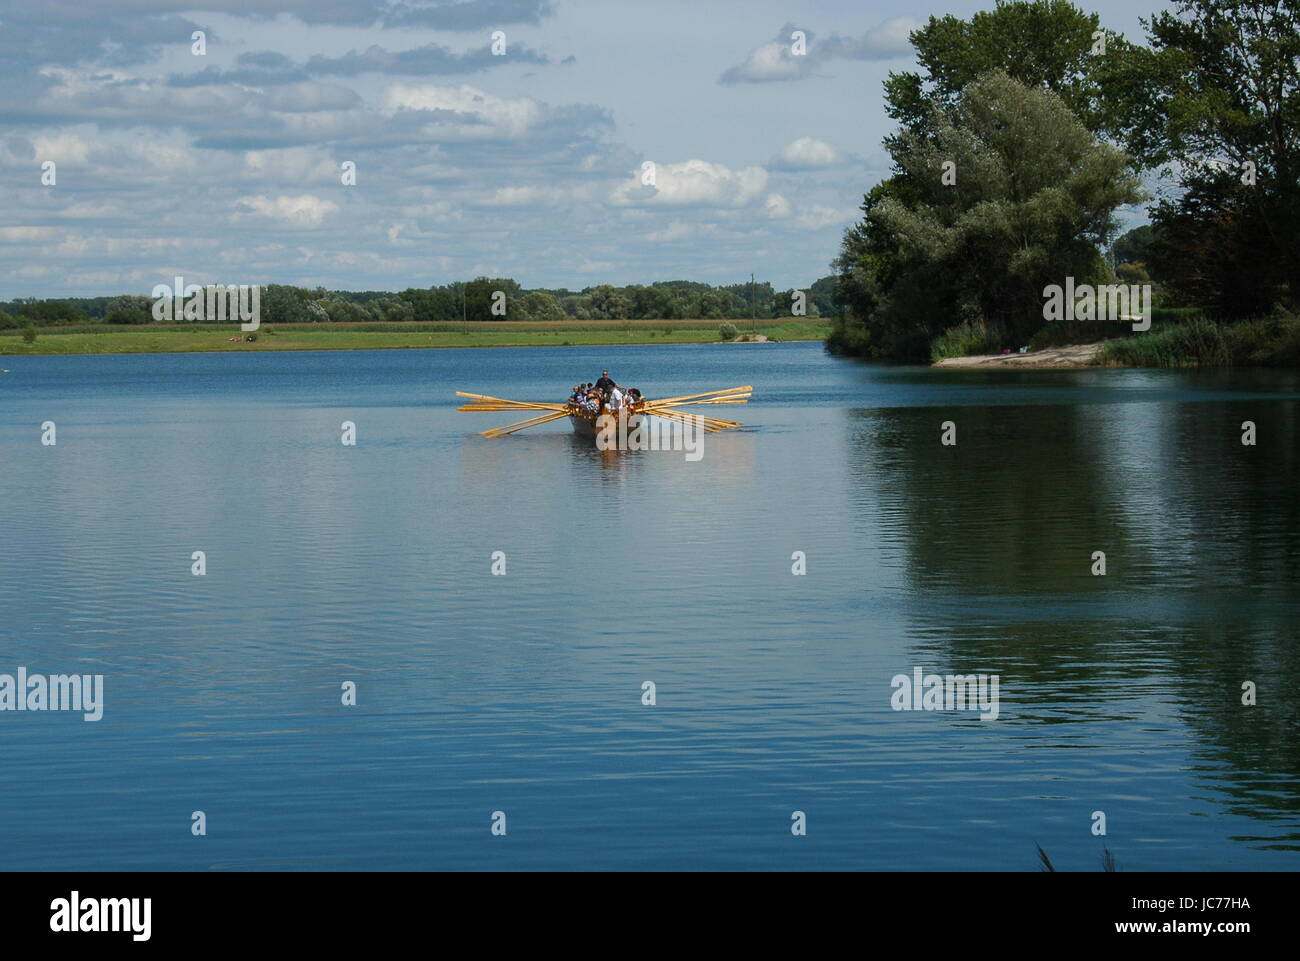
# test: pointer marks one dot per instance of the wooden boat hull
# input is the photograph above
(586, 426)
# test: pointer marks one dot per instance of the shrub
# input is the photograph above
(728, 332)
(967, 338)
(1060, 333)
(128, 316)
(29, 333)
(1192, 343)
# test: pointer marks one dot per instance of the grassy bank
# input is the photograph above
(178, 338)
(1179, 337)
(1272, 342)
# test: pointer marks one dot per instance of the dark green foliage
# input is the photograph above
(1223, 81)
(47, 313)
(1031, 205)
(1267, 342)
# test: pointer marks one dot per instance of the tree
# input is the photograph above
(282, 304)
(390, 310)
(1223, 79)
(128, 316)
(1031, 205)
(609, 303)
(539, 305)
(48, 312)
(1048, 43)
(822, 294)
(1134, 246)
(714, 304)
(480, 294)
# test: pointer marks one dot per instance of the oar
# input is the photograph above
(483, 402)
(710, 425)
(692, 403)
(522, 425)
(491, 407)
(519, 425)
(485, 399)
(707, 393)
(684, 413)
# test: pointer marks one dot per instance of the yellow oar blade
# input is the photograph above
(491, 407)
(524, 425)
(707, 393)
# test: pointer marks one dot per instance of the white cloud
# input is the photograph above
(306, 210)
(485, 115)
(695, 183)
(772, 61)
(817, 216)
(776, 60)
(776, 206)
(808, 154)
(62, 148)
(677, 230)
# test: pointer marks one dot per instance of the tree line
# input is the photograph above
(1028, 126)
(471, 301)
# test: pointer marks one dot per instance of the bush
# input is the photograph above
(1193, 343)
(128, 316)
(728, 332)
(1272, 342)
(1061, 333)
(49, 312)
(967, 338)
(29, 333)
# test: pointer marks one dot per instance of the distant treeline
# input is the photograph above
(469, 301)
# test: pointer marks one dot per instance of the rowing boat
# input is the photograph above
(585, 419)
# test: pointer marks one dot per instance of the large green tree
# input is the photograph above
(1048, 43)
(997, 195)
(1224, 79)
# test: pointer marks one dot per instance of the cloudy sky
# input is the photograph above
(227, 167)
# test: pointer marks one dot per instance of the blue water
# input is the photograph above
(523, 693)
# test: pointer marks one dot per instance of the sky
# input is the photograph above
(227, 166)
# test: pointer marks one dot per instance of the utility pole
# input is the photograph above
(753, 311)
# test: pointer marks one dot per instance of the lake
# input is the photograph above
(522, 693)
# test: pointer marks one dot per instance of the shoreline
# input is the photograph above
(1071, 357)
(53, 341)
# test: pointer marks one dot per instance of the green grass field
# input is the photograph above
(165, 338)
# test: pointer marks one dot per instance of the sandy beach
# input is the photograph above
(1075, 355)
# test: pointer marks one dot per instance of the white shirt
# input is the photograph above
(615, 399)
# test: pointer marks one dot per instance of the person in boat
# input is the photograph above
(615, 400)
(605, 384)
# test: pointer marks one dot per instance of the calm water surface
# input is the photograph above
(522, 693)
